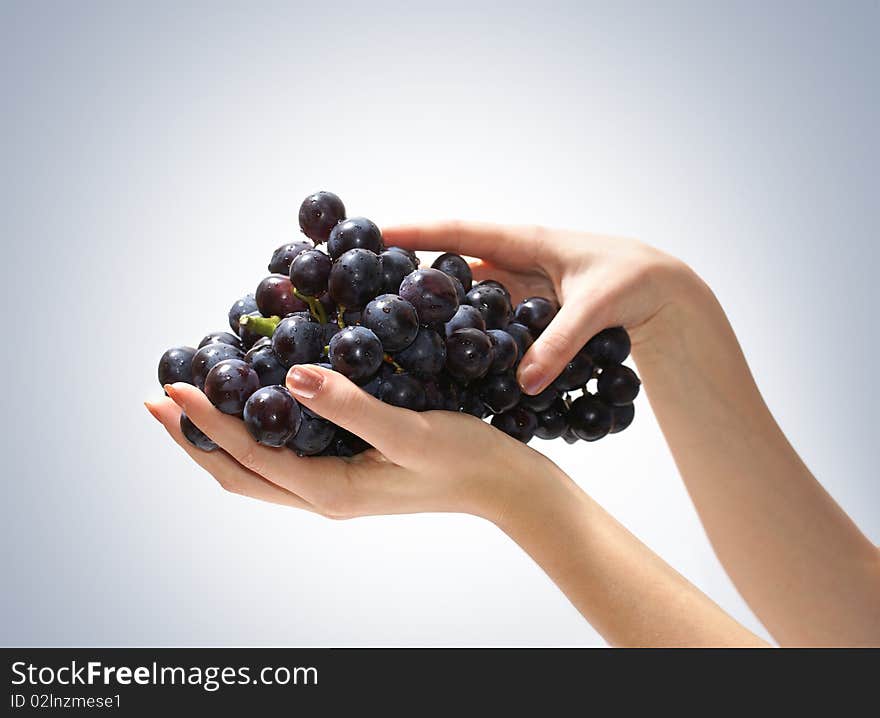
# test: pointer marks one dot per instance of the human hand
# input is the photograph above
(598, 281)
(434, 461)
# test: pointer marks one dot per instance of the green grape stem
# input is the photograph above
(315, 307)
(340, 310)
(397, 368)
(264, 326)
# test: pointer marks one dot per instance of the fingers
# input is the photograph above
(579, 319)
(229, 474)
(509, 246)
(280, 466)
(329, 394)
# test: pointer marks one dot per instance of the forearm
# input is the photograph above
(626, 592)
(800, 562)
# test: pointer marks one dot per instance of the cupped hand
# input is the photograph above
(434, 461)
(598, 281)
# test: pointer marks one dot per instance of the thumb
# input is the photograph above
(577, 321)
(333, 397)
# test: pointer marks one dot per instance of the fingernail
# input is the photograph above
(305, 382)
(152, 409)
(532, 379)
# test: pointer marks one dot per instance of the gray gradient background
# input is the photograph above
(154, 154)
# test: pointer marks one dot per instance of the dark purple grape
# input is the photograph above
(505, 351)
(576, 373)
(393, 320)
(570, 437)
(455, 266)
(194, 435)
(346, 445)
(272, 416)
(319, 213)
(315, 434)
(175, 365)
(589, 418)
(493, 302)
(469, 354)
(355, 278)
(618, 385)
(221, 338)
(405, 391)
(609, 347)
(208, 357)
(496, 283)
(521, 335)
(425, 356)
(275, 297)
(261, 342)
(499, 392)
(230, 384)
(354, 233)
(330, 329)
(622, 417)
(535, 313)
(395, 266)
(519, 423)
(465, 317)
(249, 337)
(432, 293)
(471, 403)
(552, 421)
(542, 401)
(298, 340)
(374, 385)
(408, 252)
(434, 397)
(246, 305)
(267, 364)
(460, 294)
(356, 352)
(285, 254)
(310, 271)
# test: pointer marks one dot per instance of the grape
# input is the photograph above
(542, 401)
(356, 352)
(535, 313)
(426, 356)
(310, 271)
(175, 365)
(393, 320)
(221, 338)
(315, 434)
(432, 293)
(465, 316)
(275, 297)
(266, 363)
(346, 445)
(262, 342)
(404, 391)
(450, 392)
(246, 305)
(208, 357)
(576, 373)
(460, 294)
(471, 403)
(285, 254)
(395, 265)
(354, 233)
(298, 340)
(408, 252)
(518, 422)
(319, 213)
(355, 278)
(570, 437)
(494, 283)
(469, 354)
(455, 266)
(230, 384)
(589, 418)
(505, 351)
(521, 335)
(552, 421)
(622, 417)
(194, 435)
(272, 416)
(609, 347)
(499, 392)
(618, 385)
(493, 302)
(249, 337)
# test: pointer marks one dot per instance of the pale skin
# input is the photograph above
(804, 568)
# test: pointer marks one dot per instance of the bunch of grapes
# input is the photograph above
(418, 338)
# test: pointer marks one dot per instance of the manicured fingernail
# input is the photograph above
(169, 390)
(532, 379)
(305, 382)
(152, 409)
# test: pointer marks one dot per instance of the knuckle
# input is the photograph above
(251, 460)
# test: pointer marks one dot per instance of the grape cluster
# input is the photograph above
(421, 338)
